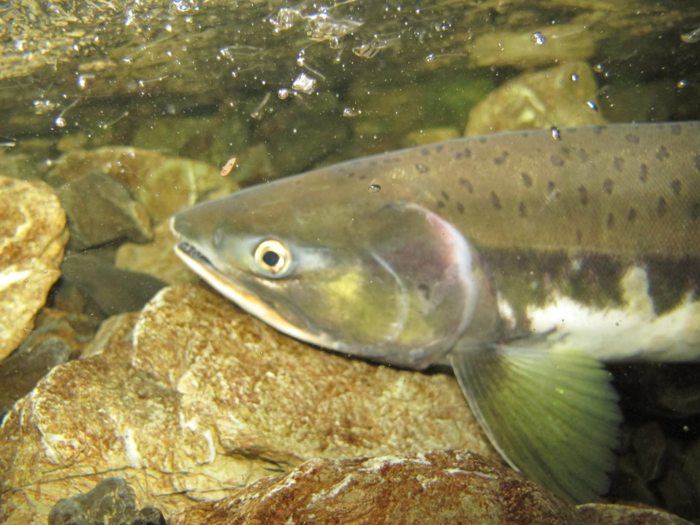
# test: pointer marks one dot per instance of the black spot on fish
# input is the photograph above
(440, 204)
(422, 168)
(675, 129)
(579, 236)
(527, 180)
(634, 139)
(557, 161)
(460, 207)
(496, 201)
(523, 210)
(458, 155)
(662, 153)
(696, 161)
(388, 161)
(643, 173)
(483, 140)
(583, 195)
(662, 207)
(445, 195)
(351, 175)
(465, 183)
(373, 163)
(670, 280)
(695, 211)
(439, 148)
(583, 155)
(467, 153)
(618, 162)
(631, 215)
(425, 289)
(597, 130)
(611, 220)
(501, 158)
(551, 187)
(676, 187)
(362, 177)
(608, 186)
(425, 152)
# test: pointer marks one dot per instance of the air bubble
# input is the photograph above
(284, 93)
(304, 83)
(285, 19)
(351, 112)
(43, 106)
(374, 188)
(60, 122)
(538, 38)
(556, 134)
(321, 26)
(84, 79)
(592, 106)
(370, 49)
(691, 37)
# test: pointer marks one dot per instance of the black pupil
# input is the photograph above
(271, 258)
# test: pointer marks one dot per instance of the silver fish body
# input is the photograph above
(522, 259)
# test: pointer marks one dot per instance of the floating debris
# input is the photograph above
(228, 167)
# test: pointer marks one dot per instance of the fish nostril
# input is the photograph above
(218, 237)
(180, 225)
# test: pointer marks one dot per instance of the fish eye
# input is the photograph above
(272, 256)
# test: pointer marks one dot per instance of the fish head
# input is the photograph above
(344, 268)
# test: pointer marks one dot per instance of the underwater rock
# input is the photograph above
(162, 184)
(533, 47)
(562, 96)
(101, 209)
(58, 338)
(613, 514)
(32, 240)
(111, 502)
(657, 466)
(435, 487)
(113, 290)
(115, 330)
(156, 258)
(208, 400)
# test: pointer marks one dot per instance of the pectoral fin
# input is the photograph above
(550, 411)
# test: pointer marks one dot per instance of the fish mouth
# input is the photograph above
(192, 252)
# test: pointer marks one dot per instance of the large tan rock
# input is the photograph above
(204, 402)
(32, 239)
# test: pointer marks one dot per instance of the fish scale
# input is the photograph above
(524, 260)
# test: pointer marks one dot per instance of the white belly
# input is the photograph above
(629, 332)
